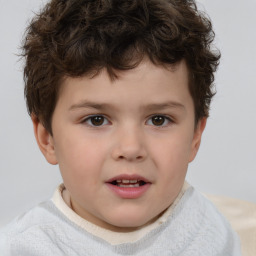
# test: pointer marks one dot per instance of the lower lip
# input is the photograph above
(129, 193)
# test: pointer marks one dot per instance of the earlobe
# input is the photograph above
(44, 140)
(197, 138)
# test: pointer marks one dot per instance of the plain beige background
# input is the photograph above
(226, 161)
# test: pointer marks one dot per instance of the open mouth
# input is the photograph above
(128, 183)
(129, 186)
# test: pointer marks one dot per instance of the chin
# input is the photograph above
(129, 222)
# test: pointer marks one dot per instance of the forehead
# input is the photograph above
(146, 82)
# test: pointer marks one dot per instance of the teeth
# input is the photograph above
(127, 181)
(129, 186)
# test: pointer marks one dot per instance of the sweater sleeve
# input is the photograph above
(4, 244)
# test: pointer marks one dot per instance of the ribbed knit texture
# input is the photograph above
(61, 199)
(194, 228)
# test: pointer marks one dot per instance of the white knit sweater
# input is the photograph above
(193, 228)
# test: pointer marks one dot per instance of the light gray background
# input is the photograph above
(226, 162)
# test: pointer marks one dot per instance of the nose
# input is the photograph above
(129, 145)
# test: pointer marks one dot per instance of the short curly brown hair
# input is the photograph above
(81, 37)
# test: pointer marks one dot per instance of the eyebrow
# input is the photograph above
(149, 107)
(165, 105)
(89, 104)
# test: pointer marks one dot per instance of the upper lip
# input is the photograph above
(128, 177)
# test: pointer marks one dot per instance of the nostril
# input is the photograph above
(126, 157)
(129, 153)
(130, 158)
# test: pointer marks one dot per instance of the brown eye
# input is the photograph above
(96, 121)
(158, 120)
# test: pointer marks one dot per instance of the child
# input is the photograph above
(119, 93)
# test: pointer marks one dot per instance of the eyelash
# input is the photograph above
(165, 118)
(88, 120)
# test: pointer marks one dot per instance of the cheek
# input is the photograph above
(79, 157)
(171, 159)
(173, 151)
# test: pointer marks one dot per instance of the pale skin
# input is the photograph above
(144, 125)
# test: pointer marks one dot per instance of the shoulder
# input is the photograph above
(39, 215)
(36, 224)
(205, 225)
(242, 217)
(207, 213)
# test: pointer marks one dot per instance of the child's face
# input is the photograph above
(137, 129)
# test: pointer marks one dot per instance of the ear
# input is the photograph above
(44, 140)
(197, 138)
